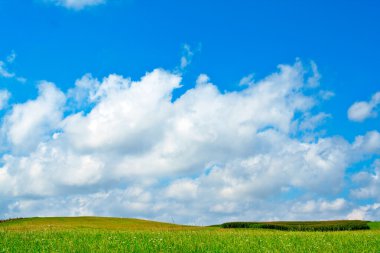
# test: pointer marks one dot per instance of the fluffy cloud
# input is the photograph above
(313, 206)
(360, 111)
(369, 183)
(310, 122)
(137, 202)
(367, 144)
(77, 4)
(27, 124)
(125, 148)
(367, 212)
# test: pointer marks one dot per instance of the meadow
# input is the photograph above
(94, 234)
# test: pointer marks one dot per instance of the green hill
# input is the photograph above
(97, 223)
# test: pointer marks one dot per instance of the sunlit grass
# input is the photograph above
(374, 225)
(91, 234)
(102, 223)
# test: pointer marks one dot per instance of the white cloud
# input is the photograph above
(78, 4)
(4, 97)
(320, 206)
(139, 203)
(310, 122)
(188, 53)
(187, 56)
(28, 123)
(206, 157)
(370, 183)
(5, 73)
(247, 80)
(367, 212)
(202, 79)
(360, 111)
(84, 92)
(313, 81)
(182, 189)
(367, 144)
(326, 94)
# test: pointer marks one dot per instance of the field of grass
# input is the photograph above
(92, 234)
(374, 225)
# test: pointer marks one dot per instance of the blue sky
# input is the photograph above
(47, 45)
(236, 38)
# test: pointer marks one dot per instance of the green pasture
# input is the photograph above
(94, 234)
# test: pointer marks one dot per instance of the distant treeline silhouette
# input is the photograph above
(10, 219)
(336, 225)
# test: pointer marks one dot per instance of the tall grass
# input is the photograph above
(92, 234)
(211, 240)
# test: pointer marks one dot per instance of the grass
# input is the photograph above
(85, 223)
(374, 225)
(93, 234)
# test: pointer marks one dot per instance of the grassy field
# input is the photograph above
(92, 234)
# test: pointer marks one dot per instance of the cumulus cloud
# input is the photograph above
(369, 183)
(27, 124)
(367, 144)
(320, 206)
(367, 212)
(128, 149)
(363, 110)
(77, 4)
(310, 122)
(84, 92)
(137, 202)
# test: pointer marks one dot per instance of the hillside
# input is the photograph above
(80, 223)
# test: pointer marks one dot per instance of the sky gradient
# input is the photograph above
(190, 111)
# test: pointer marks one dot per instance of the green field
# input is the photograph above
(94, 234)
